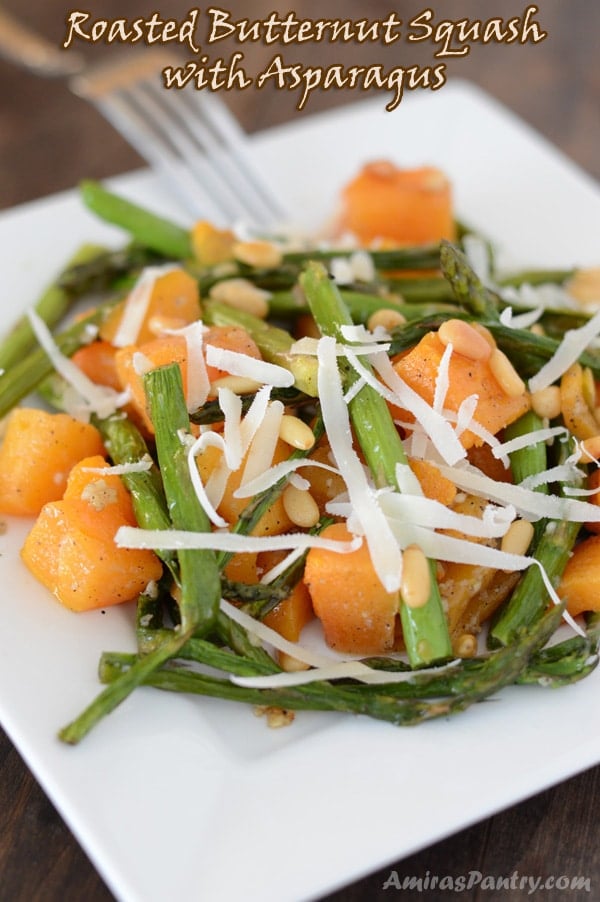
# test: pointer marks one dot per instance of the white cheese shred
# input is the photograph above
(179, 539)
(569, 350)
(249, 367)
(136, 305)
(383, 549)
(92, 398)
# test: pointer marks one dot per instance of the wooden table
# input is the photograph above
(49, 140)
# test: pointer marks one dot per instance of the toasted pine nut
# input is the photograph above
(464, 339)
(485, 333)
(293, 431)
(416, 579)
(386, 317)
(239, 385)
(517, 538)
(290, 664)
(466, 646)
(243, 295)
(537, 329)
(591, 449)
(300, 506)
(261, 254)
(589, 387)
(276, 717)
(505, 374)
(585, 285)
(546, 402)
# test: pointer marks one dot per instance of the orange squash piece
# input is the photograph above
(230, 338)
(97, 361)
(495, 409)
(37, 454)
(433, 484)
(581, 578)
(274, 521)
(211, 245)
(71, 548)
(293, 613)
(357, 614)
(403, 206)
(174, 302)
(158, 352)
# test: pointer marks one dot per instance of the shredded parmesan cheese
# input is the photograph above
(90, 397)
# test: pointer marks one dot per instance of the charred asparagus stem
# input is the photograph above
(424, 697)
(425, 629)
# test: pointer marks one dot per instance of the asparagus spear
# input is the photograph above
(467, 286)
(199, 574)
(530, 598)
(24, 376)
(425, 628)
(274, 343)
(425, 697)
(146, 228)
(200, 583)
(51, 307)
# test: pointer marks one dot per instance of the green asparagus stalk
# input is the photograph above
(425, 629)
(362, 305)
(468, 288)
(530, 598)
(274, 343)
(108, 269)
(128, 680)
(146, 228)
(51, 308)
(424, 697)
(199, 573)
(25, 376)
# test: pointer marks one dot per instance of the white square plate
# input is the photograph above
(189, 798)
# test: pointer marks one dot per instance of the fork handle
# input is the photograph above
(25, 48)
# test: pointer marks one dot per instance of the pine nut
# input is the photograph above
(537, 329)
(291, 664)
(239, 385)
(300, 506)
(546, 402)
(260, 254)
(387, 318)
(276, 717)
(466, 646)
(517, 538)
(506, 375)
(589, 387)
(243, 295)
(485, 333)
(464, 339)
(293, 431)
(585, 285)
(591, 449)
(416, 579)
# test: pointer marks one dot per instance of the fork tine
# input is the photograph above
(192, 140)
(228, 134)
(166, 127)
(137, 131)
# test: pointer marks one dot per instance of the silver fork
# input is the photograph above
(188, 136)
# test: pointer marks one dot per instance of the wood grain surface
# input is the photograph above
(49, 139)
